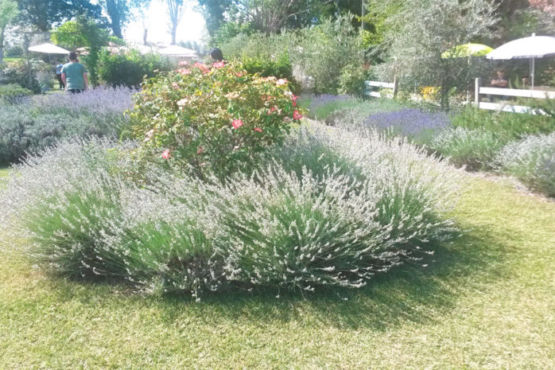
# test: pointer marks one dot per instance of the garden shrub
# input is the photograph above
(129, 69)
(33, 124)
(21, 73)
(352, 80)
(474, 149)
(280, 68)
(508, 126)
(325, 50)
(24, 130)
(213, 118)
(11, 93)
(532, 160)
(326, 208)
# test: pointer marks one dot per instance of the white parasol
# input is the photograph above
(48, 48)
(178, 51)
(526, 48)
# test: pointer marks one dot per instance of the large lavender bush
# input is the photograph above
(37, 122)
(335, 211)
(532, 160)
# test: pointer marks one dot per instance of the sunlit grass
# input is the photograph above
(485, 301)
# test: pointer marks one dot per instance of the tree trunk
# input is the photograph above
(2, 44)
(115, 17)
(173, 31)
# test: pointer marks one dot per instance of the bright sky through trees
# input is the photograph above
(192, 26)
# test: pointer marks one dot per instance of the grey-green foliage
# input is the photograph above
(320, 52)
(8, 11)
(423, 29)
(473, 148)
(26, 130)
(335, 210)
(326, 49)
(532, 160)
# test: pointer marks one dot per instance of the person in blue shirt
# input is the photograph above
(74, 75)
(59, 75)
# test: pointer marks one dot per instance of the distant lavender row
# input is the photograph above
(323, 99)
(101, 100)
(409, 122)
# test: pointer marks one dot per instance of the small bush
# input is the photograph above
(532, 160)
(474, 149)
(11, 93)
(352, 80)
(213, 118)
(129, 69)
(22, 74)
(280, 68)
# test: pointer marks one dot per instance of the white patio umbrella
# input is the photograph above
(48, 48)
(526, 48)
(178, 51)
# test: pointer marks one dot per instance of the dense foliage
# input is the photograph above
(10, 93)
(30, 125)
(129, 69)
(213, 117)
(22, 74)
(532, 160)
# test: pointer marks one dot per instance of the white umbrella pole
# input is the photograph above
(532, 70)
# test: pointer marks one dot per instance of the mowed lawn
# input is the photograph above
(487, 300)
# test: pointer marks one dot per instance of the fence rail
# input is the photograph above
(503, 107)
(384, 85)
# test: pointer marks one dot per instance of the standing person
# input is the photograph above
(217, 55)
(499, 80)
(74, 75)
(59, 75)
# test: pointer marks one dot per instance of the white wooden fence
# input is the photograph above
(384, 85)
(504, 107)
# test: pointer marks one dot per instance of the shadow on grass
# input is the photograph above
(407, 293)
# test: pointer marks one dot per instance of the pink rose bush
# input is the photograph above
(215, 117)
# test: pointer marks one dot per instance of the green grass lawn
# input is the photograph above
(486, 300)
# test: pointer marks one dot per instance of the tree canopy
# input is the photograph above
(43, 14)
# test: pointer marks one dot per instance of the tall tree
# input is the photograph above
(8, 11)
(175, 11)
(423, 29)
(83, 32)
(42, 14)
(214, 13)
(119, 10)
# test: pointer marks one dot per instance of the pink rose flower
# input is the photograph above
(257, 129)
(281, 82)
(166, 154)
(202, 67)
(184, 71)
(297, 115)
(183, 63)
(218, 64)
(294, 100)
(237, 123)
